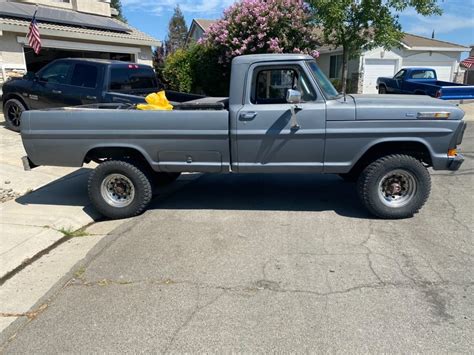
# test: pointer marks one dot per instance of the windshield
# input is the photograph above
(326, 86)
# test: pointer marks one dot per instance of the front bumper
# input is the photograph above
(456, 162)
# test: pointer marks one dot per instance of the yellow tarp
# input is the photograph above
(156, 101)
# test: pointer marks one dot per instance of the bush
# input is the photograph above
(177, 71)
(196, 70)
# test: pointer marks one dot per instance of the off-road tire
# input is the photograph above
(9, 123)
(163, 179)
(141, 184)
(371, 176)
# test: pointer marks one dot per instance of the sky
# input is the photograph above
(456, 24)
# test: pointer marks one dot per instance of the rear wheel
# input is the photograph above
(119, 189)
(382, 90)
(394, 186)
(12, 111)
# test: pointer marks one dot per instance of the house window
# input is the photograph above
(335, 65)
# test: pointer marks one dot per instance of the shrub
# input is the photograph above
(177, 71)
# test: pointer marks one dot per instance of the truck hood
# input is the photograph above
(401, 107)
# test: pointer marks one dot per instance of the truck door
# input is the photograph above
(84, 88)
(268, 138)
(46, 91)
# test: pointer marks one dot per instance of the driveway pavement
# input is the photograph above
(260, 263)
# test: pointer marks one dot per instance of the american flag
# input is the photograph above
(34, 39)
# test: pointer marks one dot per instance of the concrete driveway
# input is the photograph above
(278, 263)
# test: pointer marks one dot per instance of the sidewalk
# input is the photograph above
(55, 200)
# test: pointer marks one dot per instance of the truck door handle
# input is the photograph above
(57, 92)
(248, 116)
(88, 97)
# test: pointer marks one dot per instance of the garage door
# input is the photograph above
(443, 70)
(375, 68)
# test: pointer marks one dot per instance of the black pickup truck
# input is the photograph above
(72, 82)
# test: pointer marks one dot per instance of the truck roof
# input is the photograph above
(99, 61)
(418, 68)
(252, 58)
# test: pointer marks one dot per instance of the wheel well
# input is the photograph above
(419, 92)
(415, 149)
(14, 96)
(101, 154)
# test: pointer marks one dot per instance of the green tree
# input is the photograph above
(177, 32)
(358, 25)
(159, 63)
(117, 5)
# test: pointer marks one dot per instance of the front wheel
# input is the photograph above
(394, 186)
(12, 111)
(382, 90)
(119, 189)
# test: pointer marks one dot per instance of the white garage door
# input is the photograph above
(375, 68)
(443, 69)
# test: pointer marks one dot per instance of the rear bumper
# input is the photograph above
(27, 163)
(456, 162)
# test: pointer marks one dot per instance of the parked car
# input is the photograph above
(282, 116)
(423, 81)
(72, 82)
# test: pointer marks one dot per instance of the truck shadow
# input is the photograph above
(70, 190)
(267, 192)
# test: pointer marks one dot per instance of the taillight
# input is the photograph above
(438, 94)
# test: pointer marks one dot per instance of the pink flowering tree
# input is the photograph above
(247, 27)
(263, 26)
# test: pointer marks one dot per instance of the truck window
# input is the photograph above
(84, 75)
(56, 73)
(125, 78)
(270, 85)
(423, 74)
(400, 74)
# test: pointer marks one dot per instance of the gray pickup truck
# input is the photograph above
(282, 116)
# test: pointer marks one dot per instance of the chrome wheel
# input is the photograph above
(397, 188)
(14, 114)
(117, 190)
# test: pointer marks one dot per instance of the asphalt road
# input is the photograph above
(273, 263)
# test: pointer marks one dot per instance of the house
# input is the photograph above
(68, 28)
(414, 51)
(468, 63)
(197, 29)
(363, 71)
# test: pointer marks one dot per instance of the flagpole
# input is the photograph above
(34, 15)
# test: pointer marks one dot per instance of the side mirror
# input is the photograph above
(293, 96)
(30, 76)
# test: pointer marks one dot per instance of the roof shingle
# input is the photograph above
(133, 35)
